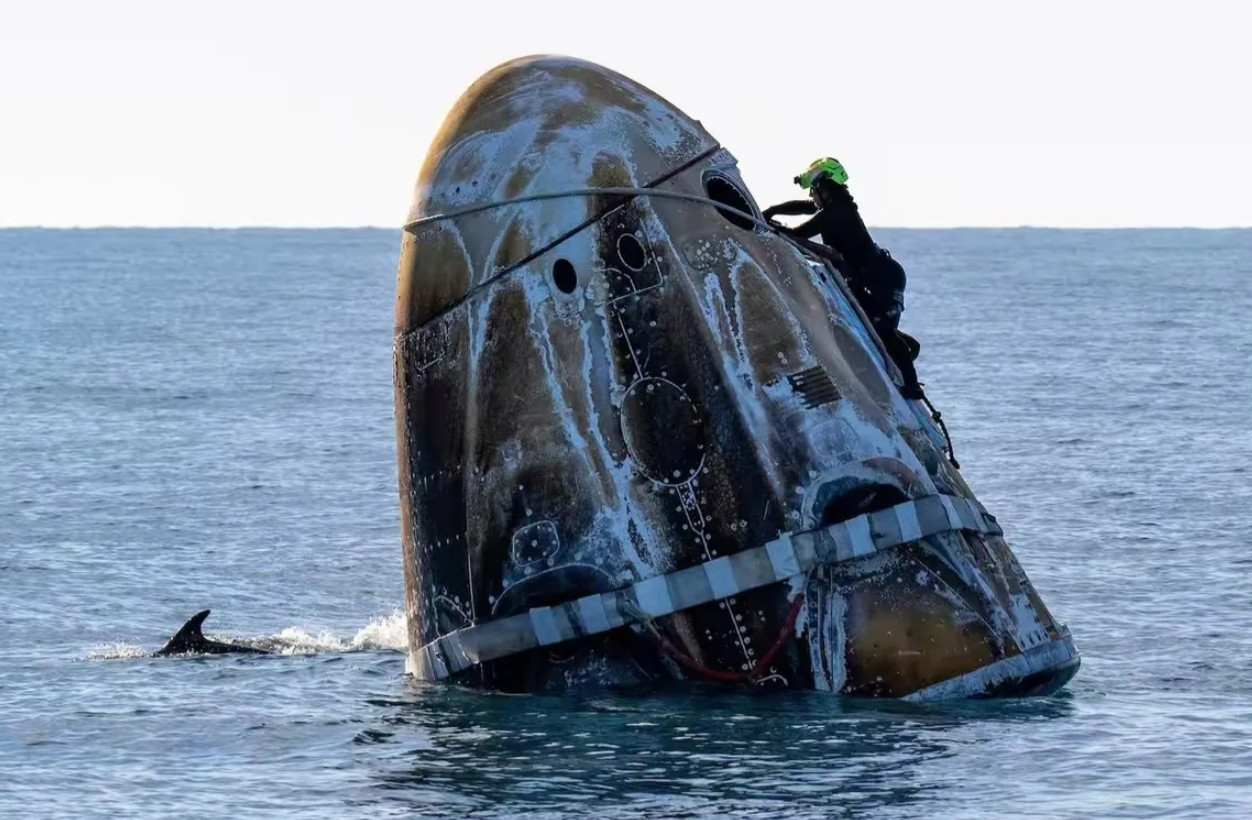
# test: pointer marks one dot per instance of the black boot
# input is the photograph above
(902, 353)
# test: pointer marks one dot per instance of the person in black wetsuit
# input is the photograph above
(875, 278)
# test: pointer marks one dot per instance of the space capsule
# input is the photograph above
(642, 437)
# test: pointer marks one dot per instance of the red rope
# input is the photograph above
(788, 625)
(762, 663)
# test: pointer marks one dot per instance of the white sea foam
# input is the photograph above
(387, 632)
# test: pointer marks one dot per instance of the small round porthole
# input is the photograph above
(631, 252)
(564, 276)
(722, 190)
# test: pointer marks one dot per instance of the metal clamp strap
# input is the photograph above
(789, 555)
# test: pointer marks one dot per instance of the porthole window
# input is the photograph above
(722, 190)
(564, 276)
(631, 252)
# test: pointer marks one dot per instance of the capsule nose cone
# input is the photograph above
(548, 118)
(533, 125)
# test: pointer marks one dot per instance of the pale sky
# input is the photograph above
(1096, 113)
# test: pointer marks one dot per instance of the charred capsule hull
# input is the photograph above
(607, 406)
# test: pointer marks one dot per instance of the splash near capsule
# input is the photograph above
(641, 436)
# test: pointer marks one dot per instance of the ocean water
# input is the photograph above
(194, 419)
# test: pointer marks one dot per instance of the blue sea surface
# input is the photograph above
(203, 418)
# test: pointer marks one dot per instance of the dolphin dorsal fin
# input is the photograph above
(189, 638)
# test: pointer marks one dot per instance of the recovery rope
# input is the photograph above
(581, 192)
(938, 417)
(686, 661)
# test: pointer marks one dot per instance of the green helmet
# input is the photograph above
(824, 168)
